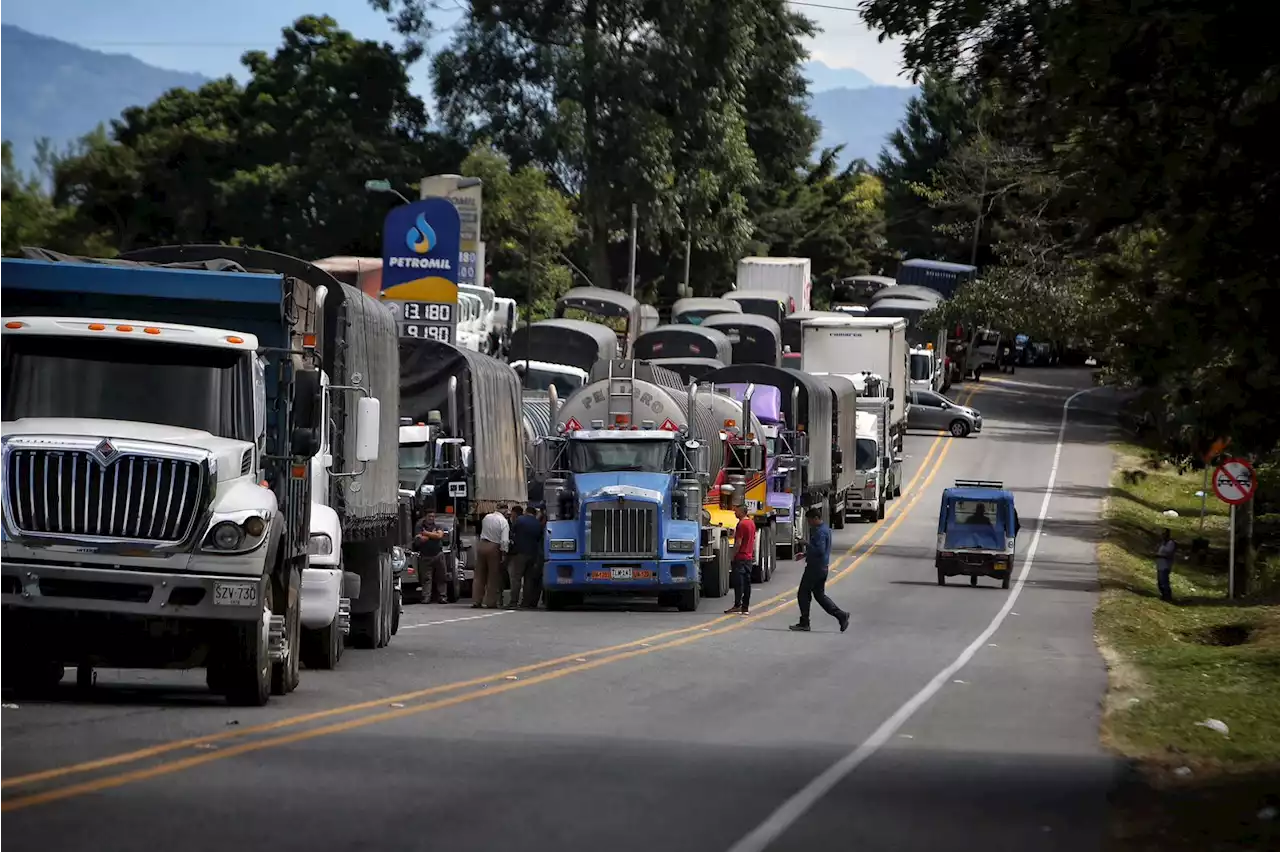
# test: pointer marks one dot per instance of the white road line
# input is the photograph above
(453, 620)
(794, 808)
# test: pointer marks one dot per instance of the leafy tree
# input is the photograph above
(528, 227)
(280, 162)
(30, 217)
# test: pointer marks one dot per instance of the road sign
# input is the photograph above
(1234, 482)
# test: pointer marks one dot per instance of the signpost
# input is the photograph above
(420, 268)
(1234, 483)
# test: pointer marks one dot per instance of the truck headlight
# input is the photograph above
(563, 545)
(427, 490)
(680, 545)
(398, 559)
(320, 545)
(236, 532)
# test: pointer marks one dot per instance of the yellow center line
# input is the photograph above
(702, 631)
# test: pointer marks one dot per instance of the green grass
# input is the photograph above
(1173, 665)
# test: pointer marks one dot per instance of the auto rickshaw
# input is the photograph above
(977, 532)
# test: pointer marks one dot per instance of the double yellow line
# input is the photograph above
(481, 687)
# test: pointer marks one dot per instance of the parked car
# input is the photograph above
(933, 411)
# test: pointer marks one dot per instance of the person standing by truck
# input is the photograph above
(486, 586)
(526, 541)
(817, 560)
(744, 556)
(429, 545)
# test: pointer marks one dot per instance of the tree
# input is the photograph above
(30, 217)
(528, 227)
(280, 163)
(622, 103)
(937, 123)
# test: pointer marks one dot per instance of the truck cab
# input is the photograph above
(433, 478)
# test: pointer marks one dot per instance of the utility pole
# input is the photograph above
(631, 275)
(688, 256)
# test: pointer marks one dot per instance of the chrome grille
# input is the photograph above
(70, 493)
(629, 530)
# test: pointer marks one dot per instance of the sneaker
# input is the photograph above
(744, 612)
(844, 622)
(731, 610)
(800, 628)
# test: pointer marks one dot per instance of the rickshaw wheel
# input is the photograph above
(973, 579)
(942, 578)
(1004, 583)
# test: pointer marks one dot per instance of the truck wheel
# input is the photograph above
(959, 429)
(453, 591)
(973, 579)
(321, 649)
(688, 600)
(84, 677)
(555, 600)
(396, 611)
(880, 511)
(387, 608)
(837, 516)
(33, 677)
(285, 675)
(711, 587)
(242, 670)
(942, 578)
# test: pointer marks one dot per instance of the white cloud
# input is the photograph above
(846, 42)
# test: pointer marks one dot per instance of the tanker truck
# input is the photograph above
(626, 479)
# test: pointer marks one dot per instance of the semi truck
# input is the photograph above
(790, 275)
(800, 440)
(156, 468)
(626, 477)
(470, 457)
(868, 345)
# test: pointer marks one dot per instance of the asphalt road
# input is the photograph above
(945, 718)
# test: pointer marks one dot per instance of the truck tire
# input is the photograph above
(285, 676)
(241, 670)
(556, 600)
(880, 511)
(367, 627)
(33, 677)
(322, 649)
(688, 601)
(837, 515)
(387, 608)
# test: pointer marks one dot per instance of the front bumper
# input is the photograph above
(321, 594)
(597, 576)
(32, 585)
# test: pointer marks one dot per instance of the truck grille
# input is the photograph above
(629, 530)
(71, 493)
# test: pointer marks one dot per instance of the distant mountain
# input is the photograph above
(822, 77)
(50, 88)
(860, 119)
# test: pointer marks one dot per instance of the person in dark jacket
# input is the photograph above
(429, 545)
(813, 582)
(526, 544)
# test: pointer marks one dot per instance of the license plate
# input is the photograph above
(600, 575)
(642, 575)
(235, 594)
(620, 573)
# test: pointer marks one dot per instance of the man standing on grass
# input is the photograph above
(813, 583)
(1164, 564)
(744, 556)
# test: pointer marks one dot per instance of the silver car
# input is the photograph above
(930, 410)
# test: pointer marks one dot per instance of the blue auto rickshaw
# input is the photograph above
(977, 532)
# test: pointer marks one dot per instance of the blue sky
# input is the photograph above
(209, 37)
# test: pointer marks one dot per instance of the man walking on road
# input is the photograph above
(486, 587)
(744, 557)
(526, 542)
(813, 583)
(1164, 564)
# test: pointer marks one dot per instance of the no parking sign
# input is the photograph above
(1234, 482)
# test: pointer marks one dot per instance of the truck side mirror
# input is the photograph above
(368, 425)
(889, 394)
(306, 400)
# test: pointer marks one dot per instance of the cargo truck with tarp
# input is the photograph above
(474, 458)
(617, 310)
(753, 338)
(684, 341)
(160, 421)
(560, 352)
(801, 442)
(689, 369)
(693, 310)
(627, 479)
(774, 304)
(356, 523)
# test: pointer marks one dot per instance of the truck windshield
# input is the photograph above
(602, 456)
(415, 456)
(919, 367)
(867, 454)
(543, 380)
(191, 387)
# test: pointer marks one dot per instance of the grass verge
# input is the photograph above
(1173, 666)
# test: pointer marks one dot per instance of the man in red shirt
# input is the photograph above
(744, 557)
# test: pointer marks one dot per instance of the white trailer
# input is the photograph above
(862, 345)
(791, 275)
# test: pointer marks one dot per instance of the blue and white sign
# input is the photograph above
(421, 244)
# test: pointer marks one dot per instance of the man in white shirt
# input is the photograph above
(486, 586)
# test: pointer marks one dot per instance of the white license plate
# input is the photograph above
(620, 573)
(235, 594)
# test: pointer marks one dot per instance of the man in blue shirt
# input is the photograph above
(817, 559)
(526, 544)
